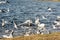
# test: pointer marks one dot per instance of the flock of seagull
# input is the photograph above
(40, 26)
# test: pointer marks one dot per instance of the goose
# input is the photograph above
(8, 36)
(49, 9)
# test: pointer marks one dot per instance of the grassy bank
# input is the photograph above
(53, 36)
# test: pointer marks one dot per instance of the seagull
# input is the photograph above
(41, 33)
(4, 10)
(3, 2)
(41, 26)
(7, 10)
(0, 10)
(58, 17)
(6, 31)
(15, 26)
(26, 23)
(54, 27)
(38, 32)
(44, 17)
(57, 23)
(37, 21)
(4, 22)
(27, 33)
(49, 9)
(8, 36)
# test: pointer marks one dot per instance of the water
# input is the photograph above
(21, 10)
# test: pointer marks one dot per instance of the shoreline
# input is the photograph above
(53, 36)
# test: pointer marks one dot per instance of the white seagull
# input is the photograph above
(57, 23)
(15, 26)
(49, 9)
(4, 10)
(8, 36)
(54, 27)
(4, 22)
(58, 17)
(3, 2)
(41, 26)
(27, 33)
(6, 31)
(44, 17)
(28, 22)
(37, 21)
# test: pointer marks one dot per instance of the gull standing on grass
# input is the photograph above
(40, 26)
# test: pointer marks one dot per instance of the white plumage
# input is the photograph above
(41, 26)
(54, 27)
(58, 17)
(15, 26)
(49, 9)
(0, 10)
(27, 33)
(57, 23)
(44, 17)
(2, 2)
(28, 21)
(4, 22)
(6, 31)
(37, 21)
(8, 36)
